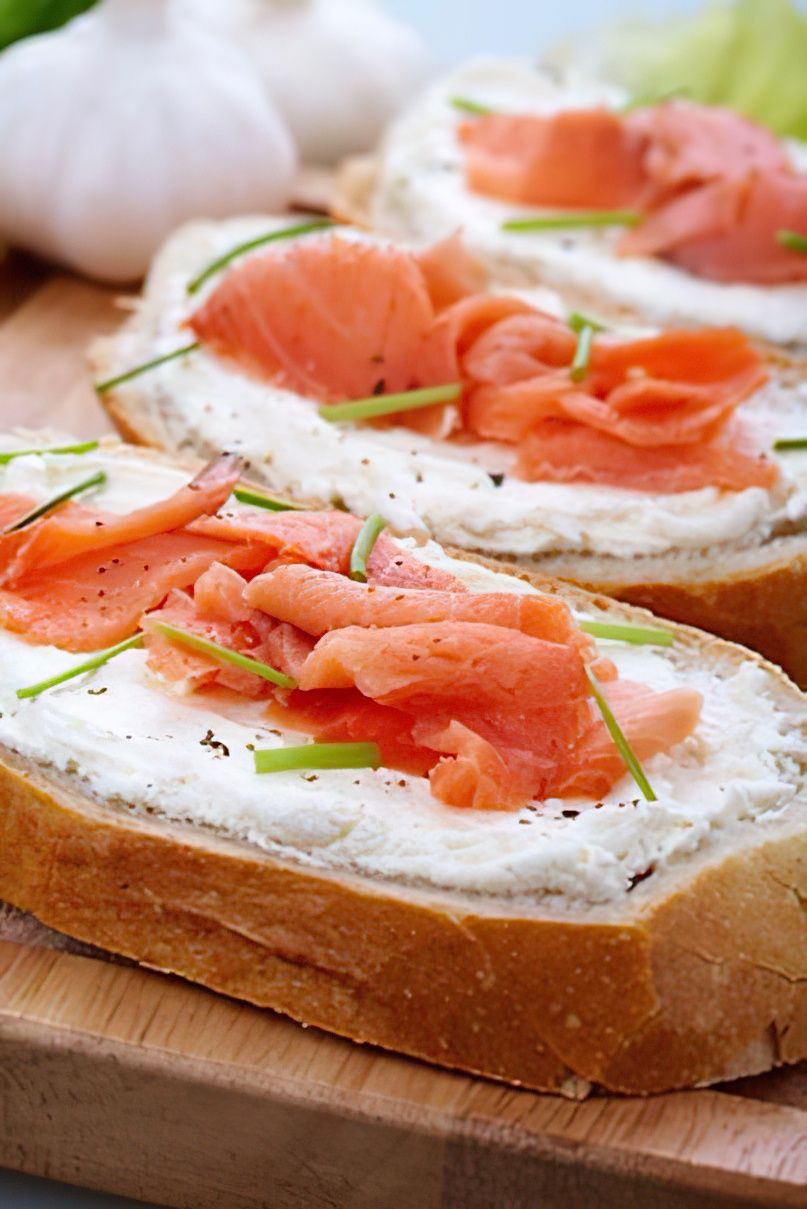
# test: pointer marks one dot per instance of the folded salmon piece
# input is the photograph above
(73, 530)
(579, 157)
(729, 230)
(510, 714)
(319, 601)
(515, 691)
(652, 722)
(96, 599)
(567, 452)
(346, 716)
(324, 540)
(331, 318)
(689, 144)
(679, 388)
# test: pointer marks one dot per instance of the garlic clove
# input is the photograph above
(338, 70)
(127, 122)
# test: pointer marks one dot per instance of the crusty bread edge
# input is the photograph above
(356, 178)
(706, 982)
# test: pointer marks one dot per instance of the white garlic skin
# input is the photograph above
(338, 70)
(125, 123)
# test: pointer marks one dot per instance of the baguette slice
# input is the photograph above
(695, 971)
(415, 188)
(745, 582)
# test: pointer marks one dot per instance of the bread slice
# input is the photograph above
(667, 947)
(414, 188)
(732, 563)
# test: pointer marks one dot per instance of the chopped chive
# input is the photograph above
(11, 454)
(583, 218)
(577, 321)
(259, 500)
(785, 443)
(318, 755)
(363, 546)
(221, 262)
(387, 405)
(222, 653)
(95, 480)
(796, 241)
(88, 665)
(639, 635)
(466, 105)
(102, 387)
(620, 742)
(582, 354)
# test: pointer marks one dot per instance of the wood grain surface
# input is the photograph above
(134, 1082)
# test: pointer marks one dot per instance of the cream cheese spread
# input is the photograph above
(421, 195)
(127, 739)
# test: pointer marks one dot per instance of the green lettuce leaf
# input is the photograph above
(20, 18)
(750, 55)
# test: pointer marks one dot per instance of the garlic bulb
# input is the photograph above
(336, 69)
(126, 122)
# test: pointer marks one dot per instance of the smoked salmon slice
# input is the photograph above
(598, 158)
(672, 394)
(689, 145)
(96, 599)
(345, 716)
(331, 318)
(652, 722)
(459, 662)
(494, 716)
(714, 188)
(188, 670)
(484, 696)
(728, 231)
(325, 540)
(473, 773)
(14, 508)
(319, 601)
(580, 157)
(74, 530)
(678, 388)
(565, 452)
(487, 777)
(451, 272)
(514, 690)
(220, 594)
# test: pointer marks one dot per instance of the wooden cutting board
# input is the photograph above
(133, 1082)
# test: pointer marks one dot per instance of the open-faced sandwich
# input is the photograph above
(665, 466)
(478, 817)
(670, 210)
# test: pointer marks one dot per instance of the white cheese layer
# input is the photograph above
(129, 740)
(204, 403)
(421, 194)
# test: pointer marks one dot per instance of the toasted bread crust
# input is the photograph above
(762, 605)
(707, 983)
(353, 186)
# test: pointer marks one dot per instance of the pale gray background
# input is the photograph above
(454, 29)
